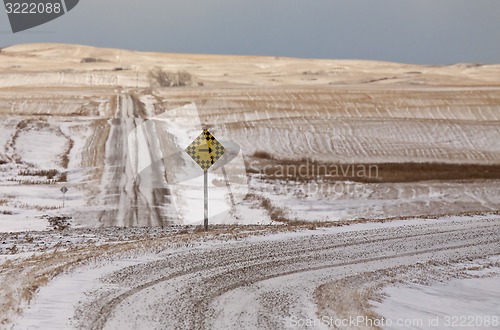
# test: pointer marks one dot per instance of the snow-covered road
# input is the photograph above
(264, 282)
(130, 200)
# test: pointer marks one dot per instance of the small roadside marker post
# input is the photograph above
(64, 190)
(205, 150)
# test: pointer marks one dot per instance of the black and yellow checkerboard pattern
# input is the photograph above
(205, 150)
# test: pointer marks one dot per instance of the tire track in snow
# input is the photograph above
(128, 201)
(189, 295)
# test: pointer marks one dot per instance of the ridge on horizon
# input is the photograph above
(222, 55)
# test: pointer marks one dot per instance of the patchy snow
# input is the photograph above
(41, 147)
(332, 111)
(344, 200)
(33, 201)
(64, 294)
(471, 303)
(18, 223)
(149, 101)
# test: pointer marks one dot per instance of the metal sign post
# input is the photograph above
(205, 150)
(64, 190)
(205, 204)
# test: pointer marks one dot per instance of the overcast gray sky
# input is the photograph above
(411, 31)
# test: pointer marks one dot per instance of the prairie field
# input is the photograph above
(344, 182)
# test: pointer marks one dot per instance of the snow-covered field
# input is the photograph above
(87, 119)
(97, 122)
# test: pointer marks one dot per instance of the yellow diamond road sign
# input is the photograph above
(205, 150)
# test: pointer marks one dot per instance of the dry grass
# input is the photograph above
(138, 105)
(346, 298)
(65, 157)
(96, 147)
(276, 214)
(51, 175)
(307, 170)
(22, 124)
(113, 103)
(198, 230)
(411, 172)
(63, 177)
(262, 154)
(92, 60)
(26, 206)
(161, 78)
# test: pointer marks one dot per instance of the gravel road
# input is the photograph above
(265, 282)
